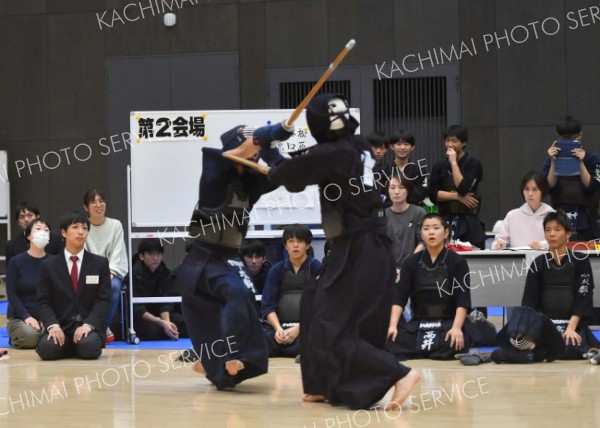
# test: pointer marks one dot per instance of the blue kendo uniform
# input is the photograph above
(217, 294)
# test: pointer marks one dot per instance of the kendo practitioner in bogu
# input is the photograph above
(217, 294)
(560, 285)
(344, 316)
(439, 327)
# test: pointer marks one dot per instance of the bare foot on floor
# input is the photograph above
(233, 367)
(403, 387)
(198, 368)
(309, 398)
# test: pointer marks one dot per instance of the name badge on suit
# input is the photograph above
(92, 279)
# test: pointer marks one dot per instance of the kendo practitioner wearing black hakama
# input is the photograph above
(562, 292)
(557, 301)
(217, 294)
(344, 316)
(436, 291)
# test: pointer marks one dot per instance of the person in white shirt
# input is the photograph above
(106, 238)
(523, 226)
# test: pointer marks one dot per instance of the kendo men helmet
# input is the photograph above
(236, 136)
(524, 328)
(264, 136)
(329, 114)
(522, 342)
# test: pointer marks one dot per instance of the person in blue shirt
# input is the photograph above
(286, 280)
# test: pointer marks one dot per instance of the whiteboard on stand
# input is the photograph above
(166, 165)
(4, 185)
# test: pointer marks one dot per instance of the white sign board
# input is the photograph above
(4, 185)
(166, 164)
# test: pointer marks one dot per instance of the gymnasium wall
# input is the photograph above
(54, 54)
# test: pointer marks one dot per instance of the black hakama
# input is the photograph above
(344, 317)
(561, 291)
(436, 290)
(219, 307)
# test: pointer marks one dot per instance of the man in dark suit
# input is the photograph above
(73, 296)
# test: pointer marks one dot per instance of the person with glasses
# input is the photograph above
(106, 238)
(25, 212)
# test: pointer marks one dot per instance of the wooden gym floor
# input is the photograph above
(132, 388)
(142, 388)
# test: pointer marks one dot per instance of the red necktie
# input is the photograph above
(74, 273)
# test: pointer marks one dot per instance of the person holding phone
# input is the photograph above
(576, 195)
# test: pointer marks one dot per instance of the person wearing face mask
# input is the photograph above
(23, 325)
(25, 212)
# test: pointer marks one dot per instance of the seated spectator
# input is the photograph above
(73, 296)
(397, 163)
(560, 285)
(403, 220)
(438, 284)
(24, 214)
(524, 226)
(106, 238)
(576, 195)
(454, 187)
(254, 256)
(22, 276)
(281, 297)
(151, 278)
(403, 225)
(379, 145)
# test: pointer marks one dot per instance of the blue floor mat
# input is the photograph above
(153, 345)
(187, 343)
(4, 338)
(495, 311)
(143, 345)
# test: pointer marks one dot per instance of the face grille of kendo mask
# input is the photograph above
(522, 343)
(338, 108)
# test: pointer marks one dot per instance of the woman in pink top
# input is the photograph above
(523, 226)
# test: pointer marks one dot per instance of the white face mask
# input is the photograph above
(40, 239)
